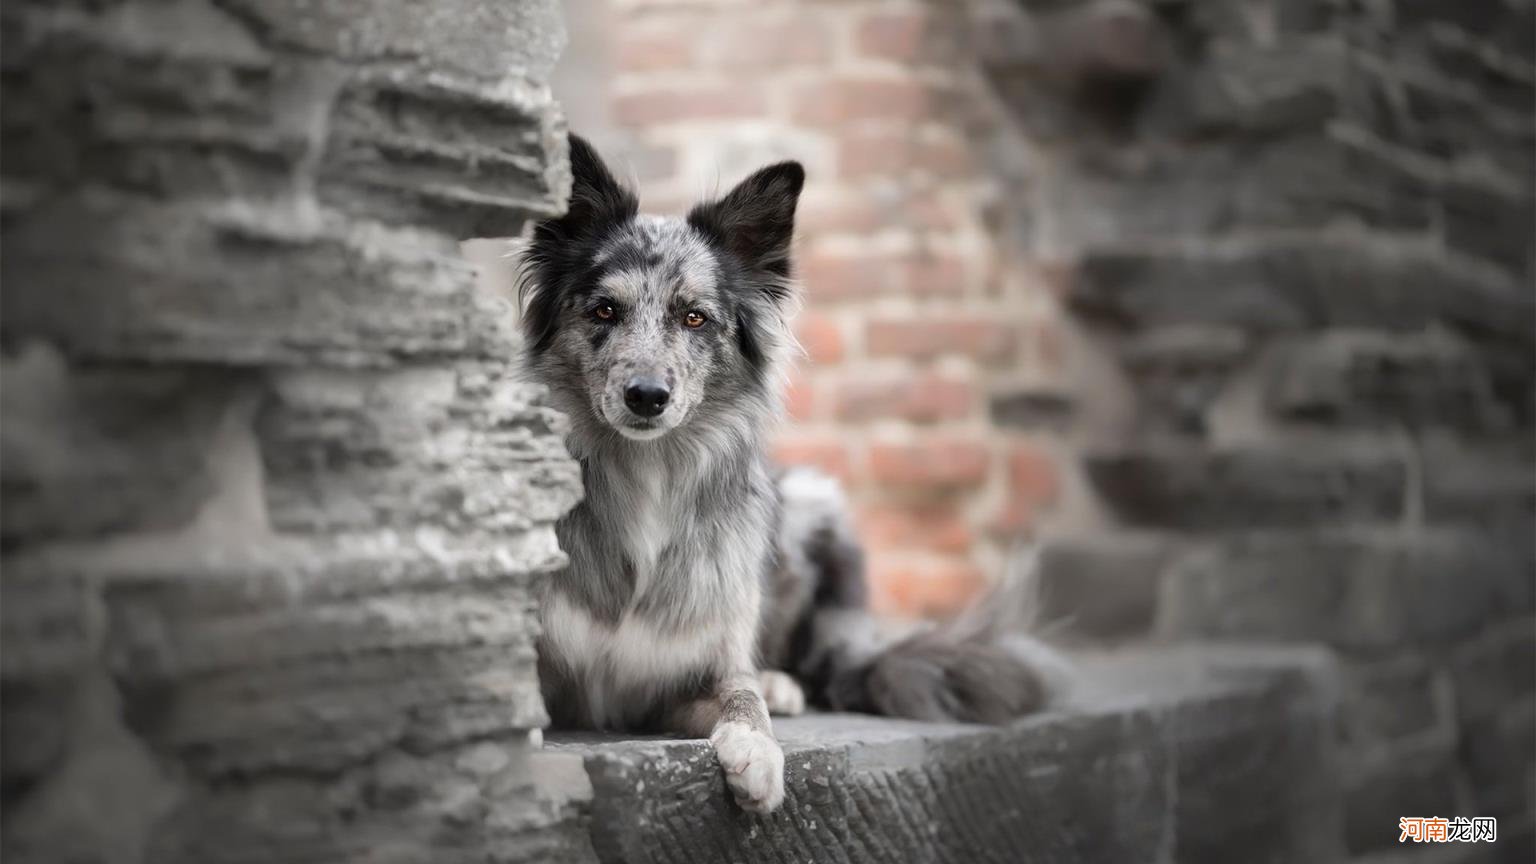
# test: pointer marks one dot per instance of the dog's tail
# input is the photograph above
(983, 666)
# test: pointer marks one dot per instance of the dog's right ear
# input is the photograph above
(561, 247)
(596, 197)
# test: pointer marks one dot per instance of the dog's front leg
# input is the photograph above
(735, 719)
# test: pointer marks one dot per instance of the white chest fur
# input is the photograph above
(615, 665)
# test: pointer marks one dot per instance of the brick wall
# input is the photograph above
(917, 315)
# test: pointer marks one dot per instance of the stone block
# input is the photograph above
(469, 159)
(1393, 699)
(1169, 742)
(1301, 281)
(94, 452)
(272, 655)
(242, 285)
(1494, 668)
(1186, 486)
(1498, 755)
(1383, 787)
(1375, 378)
(465, 38)
(1359, 590)
(466, 448)
(1102, 587)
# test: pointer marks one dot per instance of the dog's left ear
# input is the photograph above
(756, 220)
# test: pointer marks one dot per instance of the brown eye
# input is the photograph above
(604, 312)
(694, 319)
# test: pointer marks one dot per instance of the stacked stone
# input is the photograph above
(275, 506)
(1304, 229)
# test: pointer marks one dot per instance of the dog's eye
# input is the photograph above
(694, 319)
(604, 312)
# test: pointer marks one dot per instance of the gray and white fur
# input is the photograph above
(706, 588)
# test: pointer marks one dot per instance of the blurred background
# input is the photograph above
(1226, 306)
(1096, 268)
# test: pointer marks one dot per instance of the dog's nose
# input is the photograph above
(646, 396)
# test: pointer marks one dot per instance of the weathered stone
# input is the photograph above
(466, 448)
(1301, 281)
(421, 804)
(1102, 587)
(1247, 89)
(1190, 487)
(1376, 378)
(242, 284)
(286, 655)
(1363, 590)
(47, 644)
(473, 160)
(214, 208)
(1171, 743)
(1494, 668)
(1391, 700)
(1180, 371)
(94, 452)
(1381, 788)
(466, 37)
(1491, 484)
(1499, 756)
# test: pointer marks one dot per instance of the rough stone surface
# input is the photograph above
(1102, 588)
(275, 511)
(1203, 761)
(1195, 488)
(1366, 590)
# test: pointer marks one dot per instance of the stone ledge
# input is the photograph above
(1176, 756)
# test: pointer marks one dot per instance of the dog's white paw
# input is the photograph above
(782, 693)
(753, 765)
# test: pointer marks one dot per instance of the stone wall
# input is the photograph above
(1303, 231)
(273, 503)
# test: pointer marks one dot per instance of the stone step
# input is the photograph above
(1170, 756)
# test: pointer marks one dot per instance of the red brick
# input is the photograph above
(935, 275)
(893, 35)
(825, 453)
(931, 337)
(753, 44)
(800, 399)
(924, 588)
(931, 464)
(929, 212)
(820, 336)
(654, 49)
(837, 276)
(841, 214)
(940, 529)
(1033, 484)
(1049, 350)
(922, 398)
(672, 104)
(850, 99)
(896, 152)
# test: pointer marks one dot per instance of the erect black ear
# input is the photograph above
(757, 219)
(596, 196)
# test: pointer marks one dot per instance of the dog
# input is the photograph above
(705, 588)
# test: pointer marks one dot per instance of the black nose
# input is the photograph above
(646, 396)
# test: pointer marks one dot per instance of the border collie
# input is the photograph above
(705, 589)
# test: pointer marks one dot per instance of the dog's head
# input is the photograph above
(649, 322)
